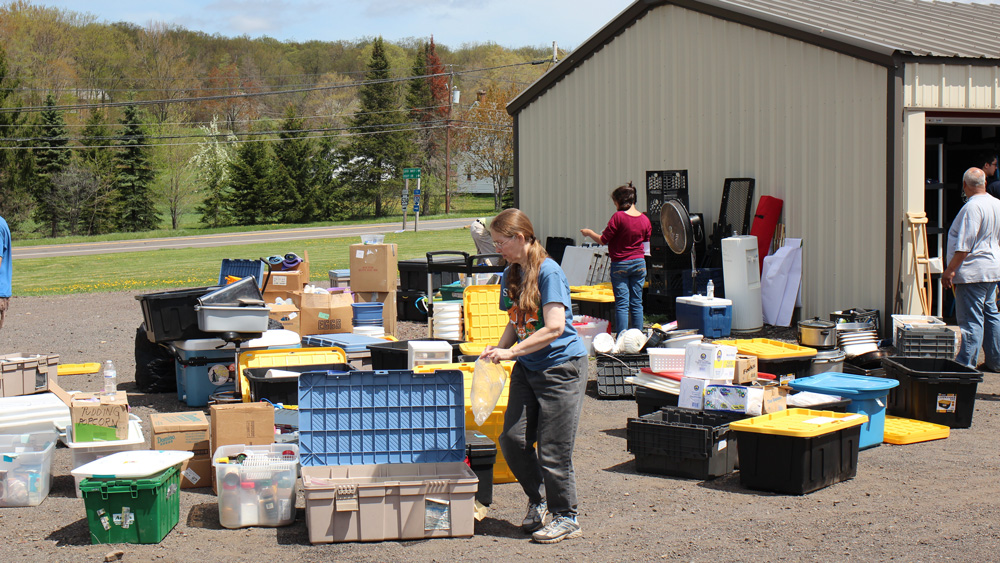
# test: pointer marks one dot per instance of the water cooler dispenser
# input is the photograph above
(741, 272)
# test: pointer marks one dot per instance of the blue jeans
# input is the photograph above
(627, 278)
(976, 312)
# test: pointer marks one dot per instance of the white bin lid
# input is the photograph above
(269, 339)
(132, 464)
(703, 301)
(29, 411)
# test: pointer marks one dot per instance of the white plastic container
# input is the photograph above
(373, 331)
(709, 361)
(424, 352)
(27, 412)
(212, 318)
(372, 239)
(26, 468)
(86, 452)
(258, 490)
(669, 360)
(133, 464)
(741, 275)
(590, 327)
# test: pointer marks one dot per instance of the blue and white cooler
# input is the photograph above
(206, 366)
(712, 316)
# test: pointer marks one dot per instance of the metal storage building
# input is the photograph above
(830, 104)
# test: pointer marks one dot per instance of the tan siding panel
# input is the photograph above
(951, 86)
(682, 90)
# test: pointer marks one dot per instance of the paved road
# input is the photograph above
(229, 239)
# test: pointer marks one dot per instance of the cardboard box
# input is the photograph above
(98, 417)
(197, 472)
(285, 280)
(774, 399)
(325, 313)
(185, 431)
(251, 424)
(745, 371)
(709, 361)
(374, 267)
(389, 312)
(287, 315)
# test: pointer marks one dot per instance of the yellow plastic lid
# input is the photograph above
(284, 357)
(595, 296)
(473, 348)
(902, 431)
(766, 349)
(799, 423)
(468, 368)
(78, 369)
(484, 321)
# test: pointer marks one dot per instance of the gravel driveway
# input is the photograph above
(925, 502)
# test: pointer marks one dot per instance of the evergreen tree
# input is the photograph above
(98, 215)
(134, 178)
(16, 164)
(52, 156)
(295, 172)
(251, 198)
(382, 145)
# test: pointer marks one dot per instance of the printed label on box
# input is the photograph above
(192, 475)
(359, 254)
(946, 403)
(279, 280)
(437, 515)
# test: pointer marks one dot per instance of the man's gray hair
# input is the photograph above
(974, 177)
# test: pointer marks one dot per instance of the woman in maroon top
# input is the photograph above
(624, 235)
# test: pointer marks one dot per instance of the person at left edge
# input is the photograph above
(6, 269)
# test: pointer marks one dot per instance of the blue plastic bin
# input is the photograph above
(350, 342)
(241, 268)
(712, 316)
(203, 369)
(373, 417)
(868, 396)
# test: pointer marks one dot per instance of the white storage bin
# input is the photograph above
(213, 318)
(259, 489)
(86, 452)
(26, 468)
(589, 327)
(666, 359)
(424, 352)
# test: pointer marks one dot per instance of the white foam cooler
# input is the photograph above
(205, 366)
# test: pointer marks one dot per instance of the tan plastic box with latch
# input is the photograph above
(389, 501)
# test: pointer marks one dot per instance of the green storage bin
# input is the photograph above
(132, 510)
(452, 292)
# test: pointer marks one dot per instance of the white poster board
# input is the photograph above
(577, 260)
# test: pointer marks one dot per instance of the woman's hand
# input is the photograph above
(497, 355)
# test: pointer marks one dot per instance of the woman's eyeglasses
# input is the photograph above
(499, 245)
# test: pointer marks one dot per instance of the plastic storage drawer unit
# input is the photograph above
(26, 468)
(408, 501)
(256, 484)
(612, 369)
(711, 316)
(683, 443)
(481, 454)
(132, 510)
(933, 390)
(393, 355)
(798, 451)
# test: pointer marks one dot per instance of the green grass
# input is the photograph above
(192, 267)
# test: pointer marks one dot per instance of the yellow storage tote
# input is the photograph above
(281, 358)
(484, 321)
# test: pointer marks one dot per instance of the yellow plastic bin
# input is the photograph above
(284, 358)
(798, 451)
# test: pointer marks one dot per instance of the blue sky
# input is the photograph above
(511, 23)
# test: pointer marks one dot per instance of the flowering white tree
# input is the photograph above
(211, 165)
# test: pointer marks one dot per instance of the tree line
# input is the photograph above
(111, 127)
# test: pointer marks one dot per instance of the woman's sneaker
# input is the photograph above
(559, 529)
(535, 518)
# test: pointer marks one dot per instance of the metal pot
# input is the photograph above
(828, 360)
(817, 333)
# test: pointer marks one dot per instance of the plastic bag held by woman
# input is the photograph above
(488, 380)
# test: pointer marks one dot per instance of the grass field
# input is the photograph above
(193, 267)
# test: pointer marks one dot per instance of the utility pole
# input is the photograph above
(447, 148)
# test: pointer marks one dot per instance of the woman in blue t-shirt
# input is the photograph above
(547, 382)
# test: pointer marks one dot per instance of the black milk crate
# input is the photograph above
(926, 342)
(612, 369)
(933, 390)
(650, 400)
(794, 465)
(683, 443)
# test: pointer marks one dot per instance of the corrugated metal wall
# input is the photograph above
(951, 86)
(682, 90)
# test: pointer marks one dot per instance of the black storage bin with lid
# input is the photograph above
(650, 400)
(934, 390)
(481, 453)
(284, 390)
(683, 443)
(170, 315)
(413, 274)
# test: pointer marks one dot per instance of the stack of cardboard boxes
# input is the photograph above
(375, 277)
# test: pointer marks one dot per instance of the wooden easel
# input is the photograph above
(917, 222)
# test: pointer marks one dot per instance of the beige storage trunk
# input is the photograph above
(389, 501)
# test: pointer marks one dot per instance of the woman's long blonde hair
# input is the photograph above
(522, 283)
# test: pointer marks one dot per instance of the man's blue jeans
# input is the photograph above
(979, 320)
(627, 278)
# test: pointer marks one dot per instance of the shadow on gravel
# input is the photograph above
(626, 467)
(204, 515)
(498, 528)
(77, 533)
(63, 486)
(615, 432)
(731, 484)
(985, 397)
(297, 533)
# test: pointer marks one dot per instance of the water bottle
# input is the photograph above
(710, 289)
(110, 379)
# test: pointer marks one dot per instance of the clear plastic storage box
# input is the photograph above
(26, 468)
(256, 484)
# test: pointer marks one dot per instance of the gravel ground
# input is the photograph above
(925, 502)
